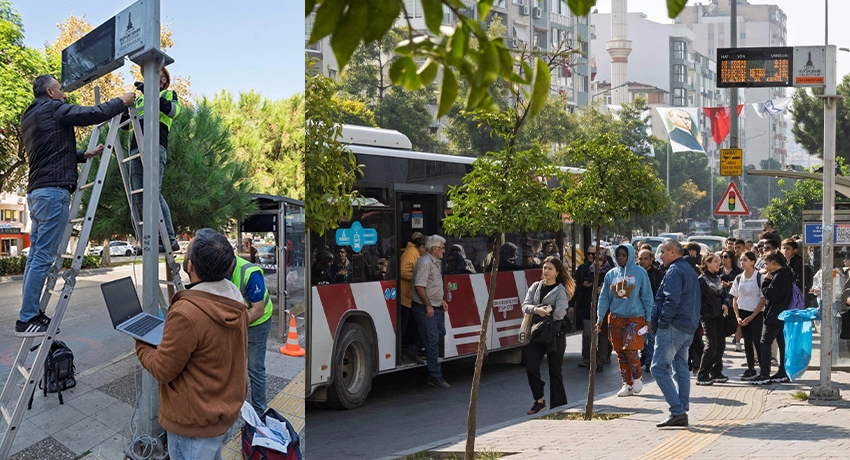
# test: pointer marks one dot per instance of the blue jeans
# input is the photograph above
(49, 208)
(648, 349)
(137, 180)
(431, 331)
(258, 337)
(671, 350)
(186, 448)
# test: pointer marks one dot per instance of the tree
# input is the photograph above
(19, 65)
(367, 75)
(352, 112)
(205, 185)
(450, 48)
(616, 185)
(331, 167)
(807, 111)
(407, 112)
(268, 136)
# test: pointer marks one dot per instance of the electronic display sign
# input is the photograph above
(90, 57)
(754, 67)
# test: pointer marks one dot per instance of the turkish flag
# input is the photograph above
(719, 117)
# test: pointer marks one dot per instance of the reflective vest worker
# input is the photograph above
(169, 107)
(249, 279)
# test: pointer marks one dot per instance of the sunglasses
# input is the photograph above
(725, 256)
(591, 253)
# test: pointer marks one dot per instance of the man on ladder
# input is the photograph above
(169, 107)
(47, 129)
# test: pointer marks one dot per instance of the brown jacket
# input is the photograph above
(201, 364)
(408, 260)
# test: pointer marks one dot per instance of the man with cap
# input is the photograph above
(169, 107)
(410, 343)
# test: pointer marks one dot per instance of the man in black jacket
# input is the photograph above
(47, 129)
(776, 288)
(645, 260)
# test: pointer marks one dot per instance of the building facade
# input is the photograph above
(14, 223)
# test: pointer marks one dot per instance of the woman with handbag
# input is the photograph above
(712, 311)
(547, 300)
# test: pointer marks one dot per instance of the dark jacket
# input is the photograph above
(655, 277)
(803, 277)
(47, 130)
(583, 295)
(678, 300)
(777, 291)
(712, 296)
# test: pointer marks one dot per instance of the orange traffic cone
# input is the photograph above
(292, 348)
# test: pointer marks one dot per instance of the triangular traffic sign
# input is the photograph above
(732, 203)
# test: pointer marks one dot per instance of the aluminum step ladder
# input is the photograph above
(13, 414)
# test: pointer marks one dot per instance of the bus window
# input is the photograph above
(357, 248)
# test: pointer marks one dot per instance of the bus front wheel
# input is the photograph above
(352, 368)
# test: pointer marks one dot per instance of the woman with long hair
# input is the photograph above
(748, 303)
(549, 297)
(729, 270)
(712, 310)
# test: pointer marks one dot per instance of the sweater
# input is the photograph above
(626, 291)
(201, 364)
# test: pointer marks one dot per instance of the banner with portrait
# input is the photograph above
(681, 127)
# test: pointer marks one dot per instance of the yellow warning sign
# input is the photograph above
(731, 162)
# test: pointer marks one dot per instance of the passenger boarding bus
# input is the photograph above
(352, 327)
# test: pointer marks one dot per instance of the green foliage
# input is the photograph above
(12, 265)
(616, 185)
(268, 136)
(19, 65)
(352, 112)
(89, 261)
(331, 168)
(204, 183)
(407, 112)
(367, 74)
(464, 48)
(807, 111)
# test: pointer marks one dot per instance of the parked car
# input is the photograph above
(715, 243)
(266, 255)
(116, 248)
(674, 236)
(654, 241)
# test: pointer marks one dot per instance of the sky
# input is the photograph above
(805, 21)
(237, 46)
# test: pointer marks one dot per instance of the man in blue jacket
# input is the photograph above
(47, 131)
(675, 318)
(627, 294)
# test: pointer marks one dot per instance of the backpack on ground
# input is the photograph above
(798, 301)
(58, 371)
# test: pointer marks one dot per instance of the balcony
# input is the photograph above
(560, 19)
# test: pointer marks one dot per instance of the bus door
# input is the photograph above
(417, 212)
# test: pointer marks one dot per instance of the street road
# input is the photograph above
(402, 412)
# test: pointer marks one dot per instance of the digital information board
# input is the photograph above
(754, 67)
(84, 60)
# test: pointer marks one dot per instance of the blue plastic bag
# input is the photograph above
(798, 340)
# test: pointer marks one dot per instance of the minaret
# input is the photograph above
(619, 47)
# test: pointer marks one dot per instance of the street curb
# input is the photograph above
(497, 426)
(87, 271)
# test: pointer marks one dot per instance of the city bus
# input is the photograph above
(352, 329)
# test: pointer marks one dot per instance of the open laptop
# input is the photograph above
(124, 307)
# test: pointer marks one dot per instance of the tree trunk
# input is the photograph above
(594, 335)
(105, 255)
(479, 358)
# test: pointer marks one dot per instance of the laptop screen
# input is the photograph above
(121, 300)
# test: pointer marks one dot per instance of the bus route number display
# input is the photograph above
(754, 67)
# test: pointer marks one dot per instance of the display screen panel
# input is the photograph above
(754, 67)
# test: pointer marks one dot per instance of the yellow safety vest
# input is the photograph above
(241, 272)
(164, 118)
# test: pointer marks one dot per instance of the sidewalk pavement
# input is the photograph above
(727, 420)
(93, 422)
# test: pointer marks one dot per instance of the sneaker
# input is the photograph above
(35, 327)
(780, 378)
(637, 386)
(705, 382)
(599, 368)
(437, 382)
(412, 357)
(761, 380)
(175, 246)
(774, 362)
(739, 347)
(720, 379)
(584, 363)
(749, 375)
(537, 407)
(625, 391)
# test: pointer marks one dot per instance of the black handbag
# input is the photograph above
(730, 324)
(845, 326)
(542, 329)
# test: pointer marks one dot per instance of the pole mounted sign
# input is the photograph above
(731, 162)
(798, 66)
(732, 203)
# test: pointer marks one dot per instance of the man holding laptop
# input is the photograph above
(201, 363)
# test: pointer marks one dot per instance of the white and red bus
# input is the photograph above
(352, 328)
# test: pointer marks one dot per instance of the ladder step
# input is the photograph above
(56, 292)
(130, 158)
(6, 415)
(24, 371)
(67, 256)
(78, 220)
(89, 185)
(125, 122)
(166, 282)
(137, 191)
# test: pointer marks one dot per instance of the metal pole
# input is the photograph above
(667, 227)
(826, 390)
(149, 406)
(733, 99)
